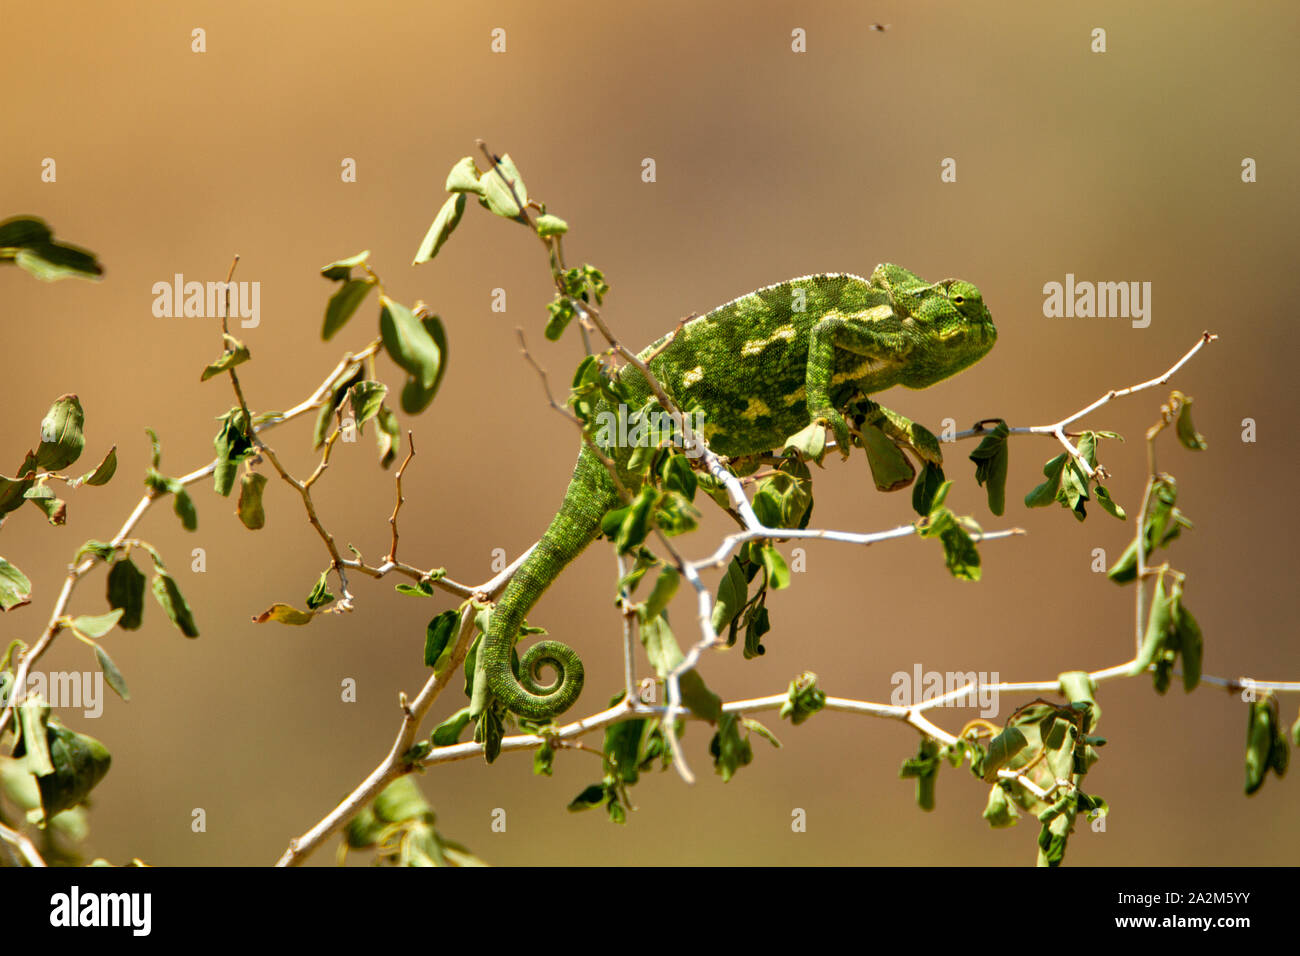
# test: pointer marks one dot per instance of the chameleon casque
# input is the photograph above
(755, 371)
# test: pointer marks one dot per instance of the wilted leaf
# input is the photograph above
(173, 602)
(15, 588)
(236, 353)
(285, 614)
(440, 231)
(343, 303)
(126, 592)
(61, 434)
(249, 509)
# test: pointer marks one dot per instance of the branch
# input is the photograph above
(1057, 429)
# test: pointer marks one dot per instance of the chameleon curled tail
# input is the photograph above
(577, 524)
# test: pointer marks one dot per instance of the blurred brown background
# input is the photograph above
(1119, 166)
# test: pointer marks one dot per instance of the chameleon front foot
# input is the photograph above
(833, 420)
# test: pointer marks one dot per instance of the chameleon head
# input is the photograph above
(956, 328)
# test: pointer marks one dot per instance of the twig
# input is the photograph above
(26, 849)
(1057, 429)
(397, 506)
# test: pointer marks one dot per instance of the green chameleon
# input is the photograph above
(753, 371)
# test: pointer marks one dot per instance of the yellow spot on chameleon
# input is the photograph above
(693, 376)
(797, 396)
(853, 374)
(756, 408)
(755, 346)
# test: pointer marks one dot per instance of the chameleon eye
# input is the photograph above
(958, 299)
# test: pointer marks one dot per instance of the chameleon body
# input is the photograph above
(755, 371)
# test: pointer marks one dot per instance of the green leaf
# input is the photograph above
(419, 589)
(100, 549)
(103, 471)
(126, 592)
(342, 269)
(112, 676)
(33, 714)
(173, 602)
(15, 588)
(324, 417)
(757, 624)
(29, 244)
(1262, 734)
(284, 614)
(1002, 750)
(401, 800)
(415, 397)
(249, 509)
(1187, 637)
(809, 441)
(697, 697)
(80, 762)
(924, 767)
(778, 574)
(343, 303)
(61, 434)
(155, 447)
(733, 594)
(463, 177)
(1158, 629)
(497, 193)
(561, 312)
(12, 491)
(1187, 433)
(663, 591)
(97, 625)
(409, 343)
(320, 592)
(960, 553)
(636, 526)
(678, 476)
(366, 397)
(448, 732)
(1047, 492)
(991, 459)
(890, 468)
(388, 434)
(1000, 811)
(923, 492)
(804, 698)
(233, 444)
(56, 509)
(548, 225)
(1111, 507)
(660, 646)
(437, 637)
(730, 750)
(591, 797)
(767, 507)
(444, 224)
(184, 508)
(236, 353)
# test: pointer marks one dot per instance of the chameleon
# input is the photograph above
(752, 372)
